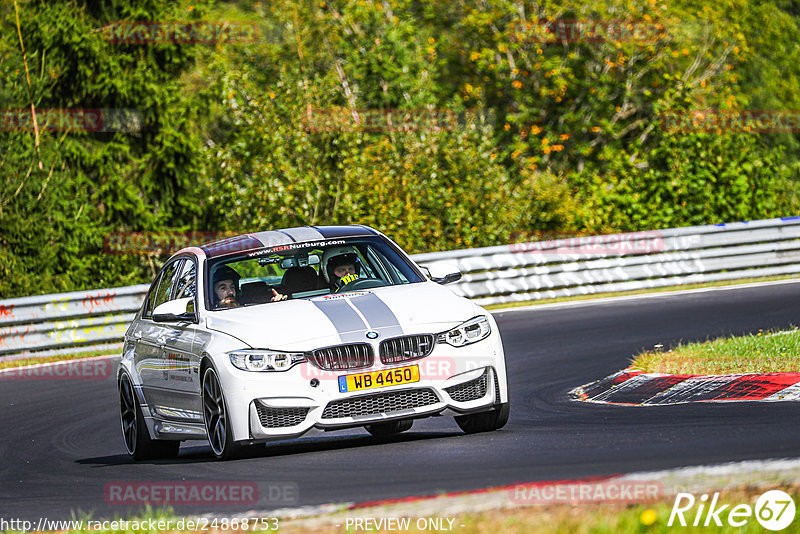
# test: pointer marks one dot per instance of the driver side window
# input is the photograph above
(187, 283)
(168, 277)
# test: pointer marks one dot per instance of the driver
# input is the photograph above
(226, 288)
(342, 268)
(344, 271)
(226, 292)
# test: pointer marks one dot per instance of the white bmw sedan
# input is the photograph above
(284, 333)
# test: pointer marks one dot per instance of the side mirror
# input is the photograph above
(177, 310)
(443, 273)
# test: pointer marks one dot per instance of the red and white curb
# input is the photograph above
(636, 388)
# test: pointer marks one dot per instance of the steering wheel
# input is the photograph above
(362, 283)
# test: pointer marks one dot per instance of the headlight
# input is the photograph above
(265, 360)
(473, 330)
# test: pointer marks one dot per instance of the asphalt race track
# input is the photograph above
(61, 443)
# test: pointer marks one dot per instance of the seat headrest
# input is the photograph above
(255, 292)
(298, 279)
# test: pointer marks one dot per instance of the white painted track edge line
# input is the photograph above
(622, 298)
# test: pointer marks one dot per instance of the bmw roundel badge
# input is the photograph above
(372, 335)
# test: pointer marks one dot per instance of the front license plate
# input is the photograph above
(379, 379)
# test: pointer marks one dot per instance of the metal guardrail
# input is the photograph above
(622, 262)
(67, 319)
(492, 275)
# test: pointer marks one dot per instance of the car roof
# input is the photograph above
(270, 238)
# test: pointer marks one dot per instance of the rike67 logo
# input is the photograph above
(774, 510)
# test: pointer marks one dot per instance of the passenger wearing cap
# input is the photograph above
(226, 289)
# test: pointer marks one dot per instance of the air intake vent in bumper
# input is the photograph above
(280, 417)
(472, 390)
(406, 348)
(393, 401)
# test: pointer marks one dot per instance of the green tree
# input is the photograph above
(65, 190)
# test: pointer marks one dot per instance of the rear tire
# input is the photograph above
(494, 419)
(215, 417)
(134, 430)
(389, 427)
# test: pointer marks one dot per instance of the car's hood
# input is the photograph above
(345, 318)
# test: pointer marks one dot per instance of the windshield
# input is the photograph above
(304, 270)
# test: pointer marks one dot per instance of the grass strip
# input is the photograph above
(593, 518)
(763, 352)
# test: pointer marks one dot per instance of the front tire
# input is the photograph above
(215, 417)
(389, 427)
(494, 419)
(134, 430)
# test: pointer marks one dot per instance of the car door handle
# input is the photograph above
(162, 341)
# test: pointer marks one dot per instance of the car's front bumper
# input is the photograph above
(264, 406)
(284, 417)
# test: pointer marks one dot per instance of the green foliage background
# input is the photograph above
(547, 136)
